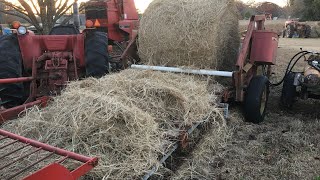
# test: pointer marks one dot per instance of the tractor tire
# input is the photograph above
(288, 93)
(308, 31)
(10, 67)
(64, 30)
(96, 54)
(256, 99)
(284, 33)
(290, 31)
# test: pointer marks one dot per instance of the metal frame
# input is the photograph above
(54, 170)
(246, 70)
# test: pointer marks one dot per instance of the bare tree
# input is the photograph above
(49, 11)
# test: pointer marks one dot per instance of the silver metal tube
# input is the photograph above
(182, 70)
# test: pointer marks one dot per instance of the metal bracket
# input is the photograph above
(225, 108)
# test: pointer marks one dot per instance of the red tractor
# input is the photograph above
(36, 66)
(294, 28)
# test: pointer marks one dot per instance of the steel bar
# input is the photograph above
(9, 153)
(8, 144)
(15, 80)
(163, 159)
(46, 147)
(26, 155)
(5, 137)
(173, 149)
(182, 70)
(13, 112)
(31, 165)
(62, 159)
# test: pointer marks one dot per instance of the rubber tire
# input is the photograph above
(308, 31)
(288, 93)
(253, 98)
(290, 30)
(96, 54)
(10, 67)
(64, 30)
(284, 33)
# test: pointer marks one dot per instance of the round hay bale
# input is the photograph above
(200, 34)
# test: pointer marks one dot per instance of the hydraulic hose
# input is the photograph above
(288, 67)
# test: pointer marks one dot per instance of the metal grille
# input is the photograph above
(22, 157)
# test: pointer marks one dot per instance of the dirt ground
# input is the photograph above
(285, 146)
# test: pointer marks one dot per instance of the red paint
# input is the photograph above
(15, 80)
(262, 46)
(54, 170)
(12, 113)
(265, 45)
(121, 18)
(33, 46)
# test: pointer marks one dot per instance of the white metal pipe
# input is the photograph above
(180, 70)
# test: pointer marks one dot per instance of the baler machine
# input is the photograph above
(250, 82)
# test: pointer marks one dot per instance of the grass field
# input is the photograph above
(285, 146)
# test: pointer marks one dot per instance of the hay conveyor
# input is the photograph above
(22, 148)
(183, 142)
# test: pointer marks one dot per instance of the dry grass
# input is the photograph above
(285, 146)
(201, 34)
(126, 119)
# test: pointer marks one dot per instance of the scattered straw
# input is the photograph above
(198, 33)
(127, 119)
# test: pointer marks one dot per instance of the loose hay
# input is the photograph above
(126, 119)
(201, 34)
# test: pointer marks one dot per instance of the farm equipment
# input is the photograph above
(21, 148)
(56, 59)
(250, 84)
(305, 84)
(294, 28)
(29, 75)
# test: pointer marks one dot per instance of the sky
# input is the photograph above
(143, 4)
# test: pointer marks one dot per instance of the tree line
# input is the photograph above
(306, 10)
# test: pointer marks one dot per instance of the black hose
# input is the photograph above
(288, 67)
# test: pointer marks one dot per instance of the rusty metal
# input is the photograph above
(30, 166)
(175, 146)
(247, 63)
(15, 80)
(53, 170)
(20, 158)
(12, 113)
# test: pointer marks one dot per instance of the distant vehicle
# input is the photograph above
(294, 28)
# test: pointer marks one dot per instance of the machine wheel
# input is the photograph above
(10, 67)
(96, 53)
(290, 31)
(284, 33)
(256, 98)
(288, 93)
(308, 31)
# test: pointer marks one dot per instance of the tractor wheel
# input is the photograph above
(284, 33)
(10, 67)
(96, 53)
(308, 31)
(288, 93)
(256, 98)
(290, 31)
